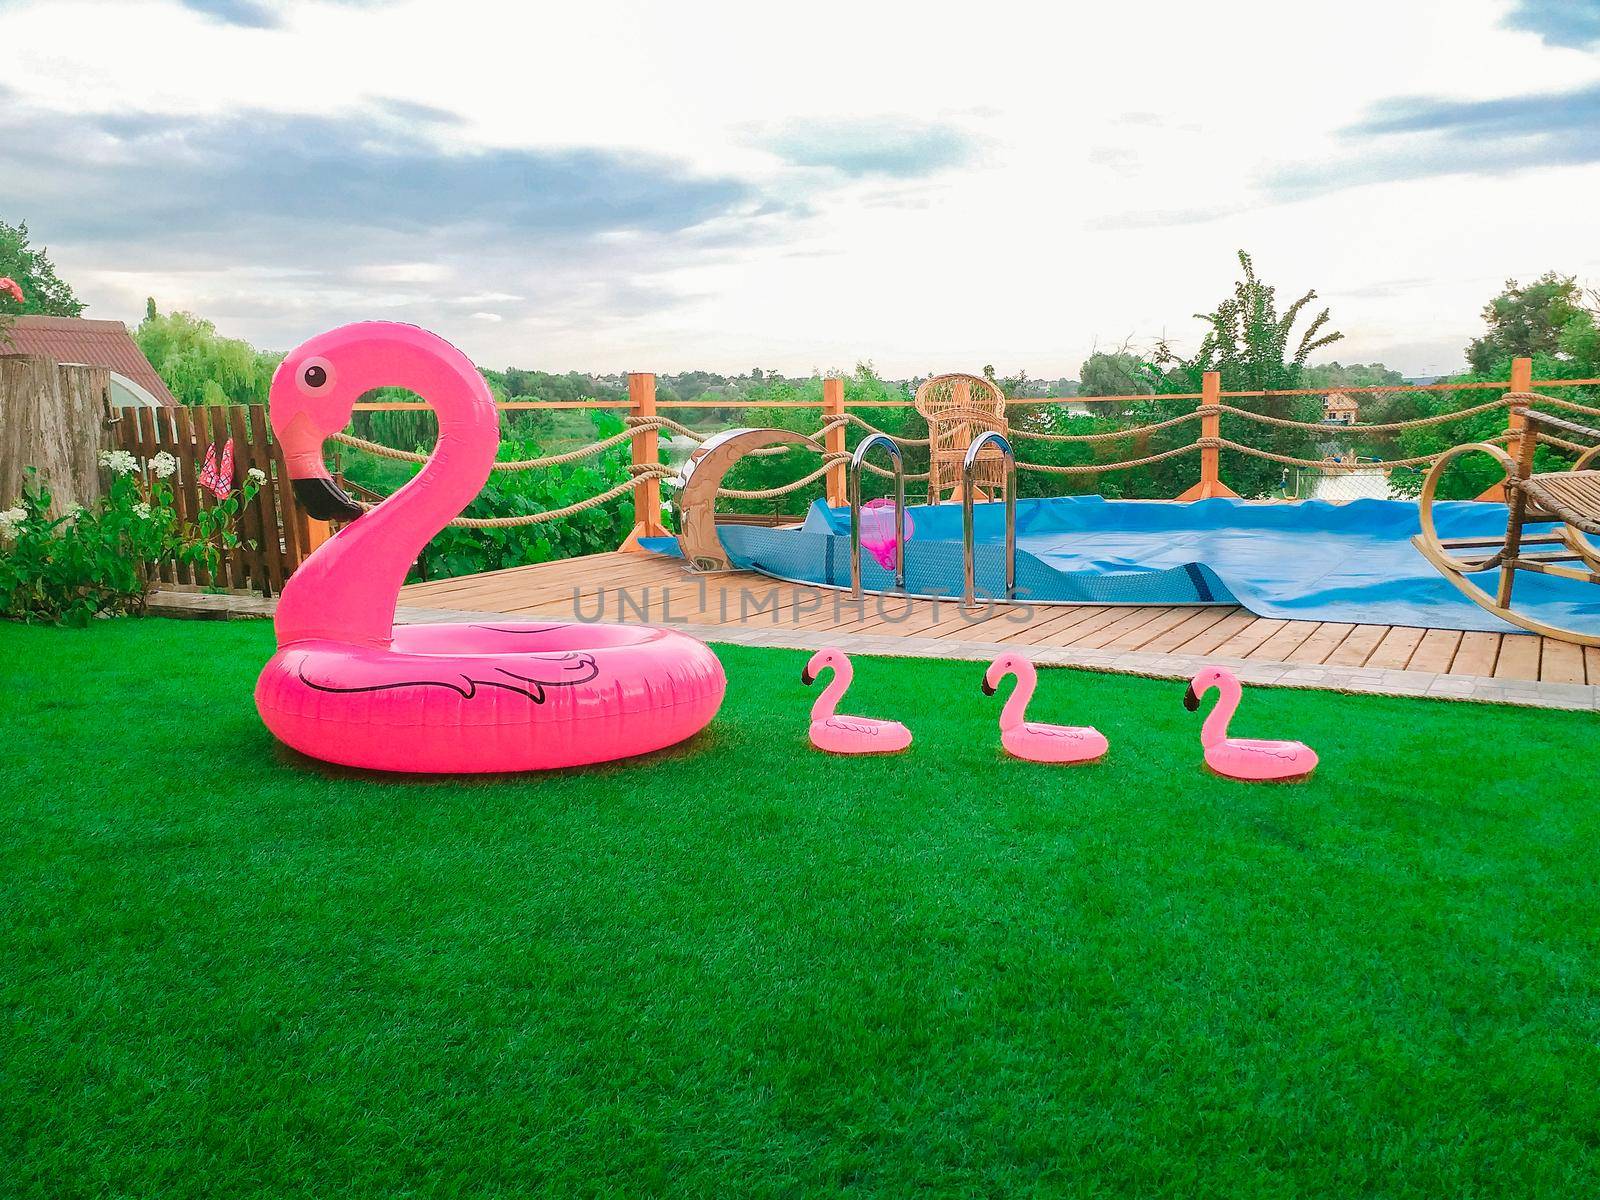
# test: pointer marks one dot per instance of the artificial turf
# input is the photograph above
(741, 968)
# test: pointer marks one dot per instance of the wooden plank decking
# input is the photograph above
(650, 588)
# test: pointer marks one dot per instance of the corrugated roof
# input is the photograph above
(96, 343)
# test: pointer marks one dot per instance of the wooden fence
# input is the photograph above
(274, 530)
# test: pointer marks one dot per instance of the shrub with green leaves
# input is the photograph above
(459, 551)
(99, 560)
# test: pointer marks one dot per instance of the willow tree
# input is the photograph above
(198, 364)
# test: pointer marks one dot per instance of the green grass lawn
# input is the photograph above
(740, 968)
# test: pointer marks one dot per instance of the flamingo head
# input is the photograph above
(821, 661)
(312, 395)
(1208, 678)
(1006, 664)
(316, 386)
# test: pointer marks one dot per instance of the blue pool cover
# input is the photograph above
(1304, 561)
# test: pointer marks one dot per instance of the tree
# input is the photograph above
(1580, 338)
(1336, 375)
(785, 396)
(1248, 341)
(43, 291)
(1254, 348)
(1524, 321)
(1549, 321)
(1114, 373)
(199, 365)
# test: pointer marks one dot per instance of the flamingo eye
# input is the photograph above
(316, 376)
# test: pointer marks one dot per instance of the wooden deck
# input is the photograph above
(650, 588)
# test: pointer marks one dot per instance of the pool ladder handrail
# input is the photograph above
(969, 566)
(856, 459)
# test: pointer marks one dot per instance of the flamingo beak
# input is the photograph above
(1190, 700)
(988, 688)
(324, 500)
(314, 489)
(806, 677)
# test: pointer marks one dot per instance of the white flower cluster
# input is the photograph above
(10, 519)
(163, 465)
(256, 476)
(142, 511)
(119, 462)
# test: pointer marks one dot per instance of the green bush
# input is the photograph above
(759, 474)
(99, 560)
(1470, 474)
(460, 551)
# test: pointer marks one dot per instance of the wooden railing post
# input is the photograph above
(1210, 483)
(646, 450)
(317, 532)
(1521, 381)
(834, 440)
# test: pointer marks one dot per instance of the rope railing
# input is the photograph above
(638, 472)
(1099, 468)
(524, 464)
(555, 514)
(639, 424)
(1291, 461)
(1562, 443)
(1356, 427)
(783, 489)
(1211, 407)
(1195, 414)
(855, 420)
(1526, 398)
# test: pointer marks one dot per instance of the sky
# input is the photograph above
(620, 185)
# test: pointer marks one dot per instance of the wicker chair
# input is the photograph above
(957, 409)
(1569, 498)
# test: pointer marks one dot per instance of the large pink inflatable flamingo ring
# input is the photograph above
(349, 686)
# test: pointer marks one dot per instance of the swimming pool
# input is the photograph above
(1305, 561)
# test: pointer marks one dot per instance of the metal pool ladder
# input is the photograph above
(856, 459)
(968, 566)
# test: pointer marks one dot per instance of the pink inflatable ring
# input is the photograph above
(349, 687)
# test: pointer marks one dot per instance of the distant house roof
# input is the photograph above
(1339, 402)
(94, 343)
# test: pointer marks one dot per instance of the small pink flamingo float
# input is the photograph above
(349, 686)
(1248, 759)
(878, 535)
(1031, 740)
(847, 735)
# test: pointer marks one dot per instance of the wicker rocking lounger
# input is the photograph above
(1570, 497)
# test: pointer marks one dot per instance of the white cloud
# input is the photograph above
(1125, 155)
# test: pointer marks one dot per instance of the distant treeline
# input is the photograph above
(518, 383)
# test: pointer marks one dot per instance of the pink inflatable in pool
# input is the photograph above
(348, 686)
(878, 536)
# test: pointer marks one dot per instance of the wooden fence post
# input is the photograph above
(54, 418)
(1210, 483)
(1521, 381)
(646, 450)
(833, 442)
